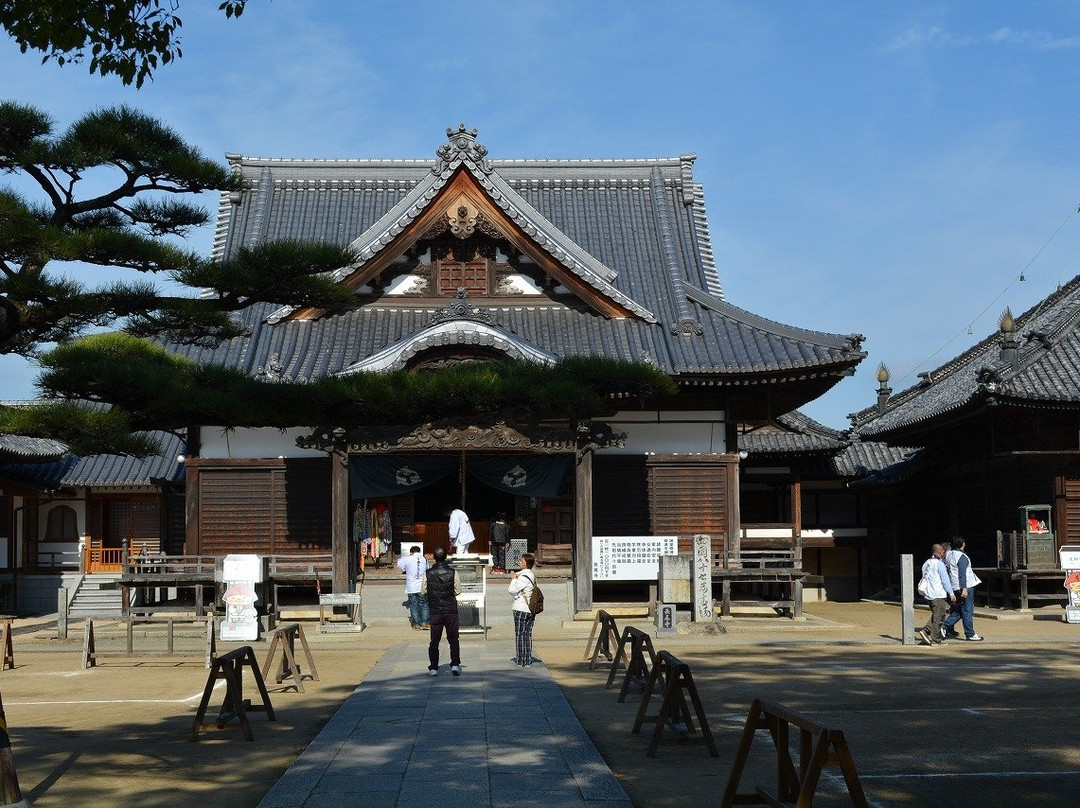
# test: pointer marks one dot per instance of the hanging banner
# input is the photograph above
(385, 475)
(527, 475)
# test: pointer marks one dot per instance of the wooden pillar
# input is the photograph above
(583, 531)
(191, 510)
(733, 518)
(339, 520)
(796, 504)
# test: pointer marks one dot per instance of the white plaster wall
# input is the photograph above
(673, 432)
(78, 505)
(254, 443)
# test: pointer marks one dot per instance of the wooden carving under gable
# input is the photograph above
(464, 436)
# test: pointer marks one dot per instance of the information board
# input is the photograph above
(630, 558)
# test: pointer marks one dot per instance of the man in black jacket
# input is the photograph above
(441, 585)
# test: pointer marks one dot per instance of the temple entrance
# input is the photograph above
(432, 506)
(533, 492)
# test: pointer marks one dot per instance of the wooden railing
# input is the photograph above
(302, 567)
(161, 564)
(103, 559)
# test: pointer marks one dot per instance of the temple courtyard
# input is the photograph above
(988, 724)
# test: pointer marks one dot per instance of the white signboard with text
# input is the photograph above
(630, 558)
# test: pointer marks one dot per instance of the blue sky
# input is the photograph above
(888, 169)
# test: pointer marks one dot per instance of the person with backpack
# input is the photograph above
(935, 579)
(522, 586)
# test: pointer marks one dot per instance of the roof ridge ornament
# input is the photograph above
(462, 148)
(461, 308)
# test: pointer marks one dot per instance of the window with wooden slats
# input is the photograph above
(269, 510)
(688, 495)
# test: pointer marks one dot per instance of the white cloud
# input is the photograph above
(940, 38)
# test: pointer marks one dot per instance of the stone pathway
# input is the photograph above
(496, 736)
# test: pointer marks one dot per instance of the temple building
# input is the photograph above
(468, 259)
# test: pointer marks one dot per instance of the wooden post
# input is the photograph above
(10, 794)
(339, 520)
(583, 530)
(8, 648)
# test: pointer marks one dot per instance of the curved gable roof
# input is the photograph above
(631, 231)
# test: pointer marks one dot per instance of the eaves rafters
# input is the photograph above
(462, 176)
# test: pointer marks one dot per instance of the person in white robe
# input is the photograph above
(461, 535)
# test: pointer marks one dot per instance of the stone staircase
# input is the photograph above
(97, 595)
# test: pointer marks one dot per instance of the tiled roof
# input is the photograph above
(634, 230)
(822, 451)
(1046, 372)
(20, 449)
(103, 471)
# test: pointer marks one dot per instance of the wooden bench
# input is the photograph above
(554, 554)
(774, 568)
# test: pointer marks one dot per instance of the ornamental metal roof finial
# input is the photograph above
(462, 148)
(1009, 345)
(883, 390)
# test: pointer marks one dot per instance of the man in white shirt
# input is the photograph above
(963, 580)
(461, 535)
(414, 565)
(938, 595)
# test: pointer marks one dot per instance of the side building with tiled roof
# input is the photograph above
(1000, 429)
(796, 483)
(62, 517)
(464, 258)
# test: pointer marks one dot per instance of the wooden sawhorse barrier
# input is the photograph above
(5, 643)
(607, 637)
(285, 638)
(818, 747)
(91, 655)
(230, 667)
(675, 682)
(638, 669)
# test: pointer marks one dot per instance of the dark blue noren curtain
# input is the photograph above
(528, 475)
(384, 475)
